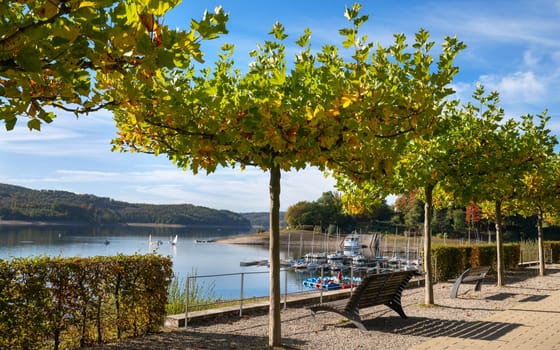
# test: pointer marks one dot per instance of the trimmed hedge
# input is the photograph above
(552, 251)
(450, 261)
(52, 303)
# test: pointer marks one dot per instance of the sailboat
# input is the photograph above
(173, 240)
(151, 243)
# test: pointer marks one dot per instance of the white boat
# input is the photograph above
(316, 257)
(256, 262)
(299, 264)
(352, 241)
(336, 256)
(173, 240)
(359, 259)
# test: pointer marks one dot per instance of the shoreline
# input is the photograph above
(307, 238)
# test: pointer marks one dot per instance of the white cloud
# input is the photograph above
(530, 59)
(517, 87)
(232, 189)
(463, 91)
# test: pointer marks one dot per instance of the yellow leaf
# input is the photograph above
(87, 4)
(347, 100)
(309, 113)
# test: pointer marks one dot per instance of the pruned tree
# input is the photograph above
(505, 151)
(540, 191)
(326, 112)
(424, 160)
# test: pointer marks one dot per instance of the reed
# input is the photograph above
(200, 293)
(529, 250)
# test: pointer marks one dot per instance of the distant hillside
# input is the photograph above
(262, 219)
(20, 203)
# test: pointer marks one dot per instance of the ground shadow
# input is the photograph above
(500, 296)
(192, 339)
(504, 296)
(434, 327)
(520, 274)
(534, 298)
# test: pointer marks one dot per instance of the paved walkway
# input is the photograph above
(532, 324)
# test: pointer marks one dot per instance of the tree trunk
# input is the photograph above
(540, 241)
(499, 245)
(428, 277)
(274, 323)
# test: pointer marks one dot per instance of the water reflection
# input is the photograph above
(189, 257)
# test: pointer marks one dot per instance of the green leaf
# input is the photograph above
(304, 39)
(34, 124)
(29, 60)
(278, 31)
(166, 59)
(10, 123)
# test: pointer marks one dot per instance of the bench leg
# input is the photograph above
(358, 323)
(354, 317)
(455, 290)
(398, 308)
(478, 285)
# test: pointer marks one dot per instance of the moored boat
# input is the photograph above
(331, 283)
(255, 262)
(352, 242)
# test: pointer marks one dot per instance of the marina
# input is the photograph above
(360, 257)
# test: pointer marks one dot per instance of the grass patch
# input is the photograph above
(201, 297)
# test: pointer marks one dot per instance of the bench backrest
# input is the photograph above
(478, 271)
(379, 289)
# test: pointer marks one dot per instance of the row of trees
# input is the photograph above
(475, 154)
(379, 118)
(406, 215)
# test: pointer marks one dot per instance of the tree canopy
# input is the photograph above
(82, 56)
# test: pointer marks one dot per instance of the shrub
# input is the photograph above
(73, 302)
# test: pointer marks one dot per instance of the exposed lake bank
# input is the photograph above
(293, 237)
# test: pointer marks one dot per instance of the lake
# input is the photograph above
(188, 256)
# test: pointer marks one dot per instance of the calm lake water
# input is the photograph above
(189, 257)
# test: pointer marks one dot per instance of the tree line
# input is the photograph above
(19, 203)
(406, 216)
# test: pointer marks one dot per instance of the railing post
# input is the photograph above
(285, 289)
(321, 292)
(351, 279)
(241, 296)
(187, 301)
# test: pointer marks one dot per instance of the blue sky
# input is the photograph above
(513, 47)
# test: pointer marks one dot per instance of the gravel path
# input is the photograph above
(385, 329)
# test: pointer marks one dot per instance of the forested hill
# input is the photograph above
(262, 220)
(20, 203)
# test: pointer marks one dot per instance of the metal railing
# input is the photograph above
(191, 283)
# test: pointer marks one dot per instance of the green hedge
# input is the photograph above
(450, 261)
(52, 303)
(552, 251)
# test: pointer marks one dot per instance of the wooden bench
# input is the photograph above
(375, 289)
(473, 274)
